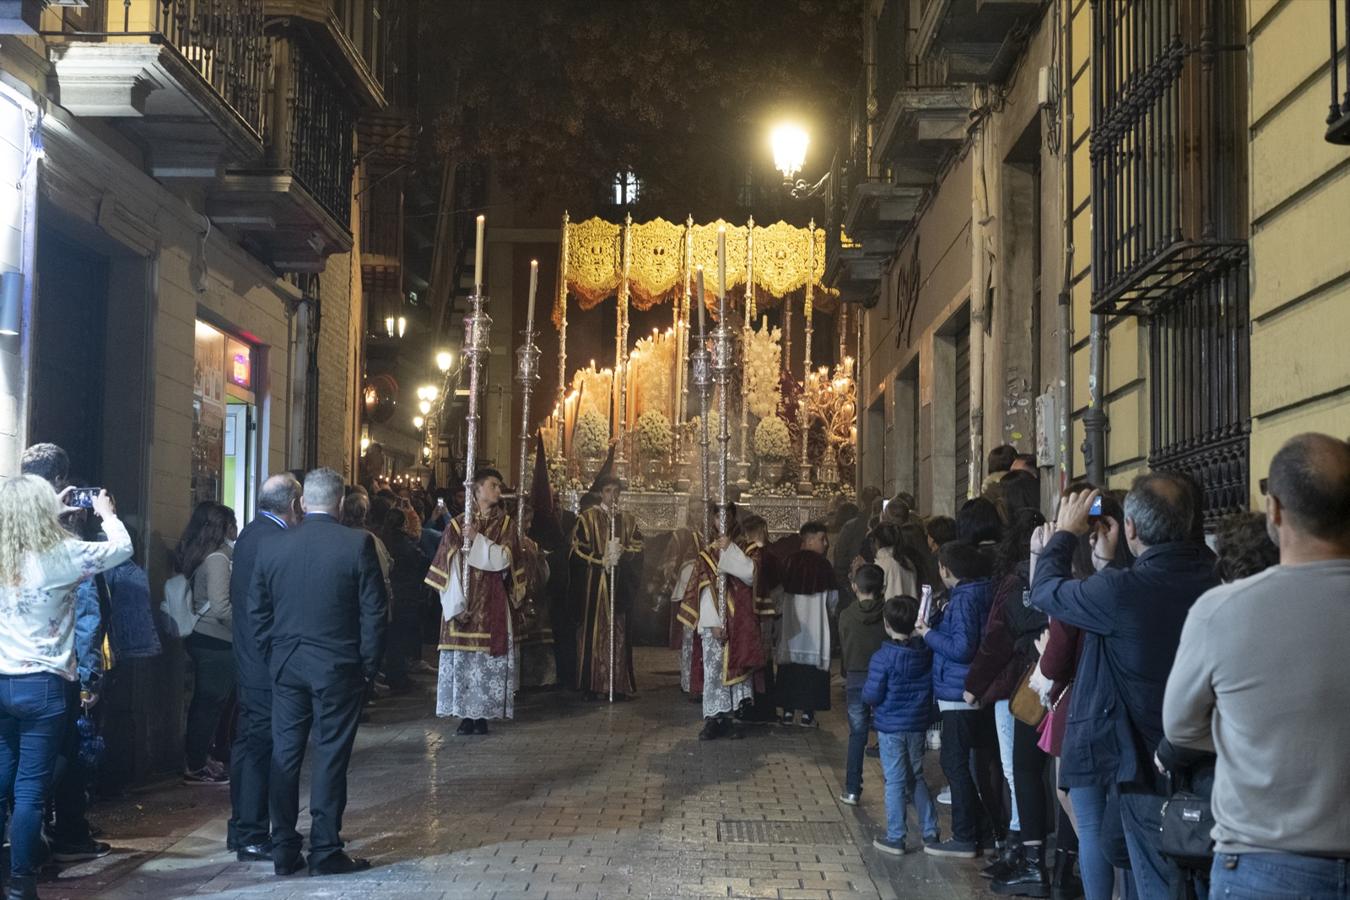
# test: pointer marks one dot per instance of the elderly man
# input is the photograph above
(1131, 620)
(251, 754)
(1260, 680)
(318, 609)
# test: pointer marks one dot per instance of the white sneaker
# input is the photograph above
(945, 796)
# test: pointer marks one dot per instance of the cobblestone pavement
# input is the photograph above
(569, 800)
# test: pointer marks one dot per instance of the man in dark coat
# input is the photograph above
(251, 755)
(1131, 621)
(319, 608)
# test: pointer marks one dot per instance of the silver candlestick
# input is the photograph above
(476, 327)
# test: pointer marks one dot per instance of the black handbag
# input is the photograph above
(1187, 822)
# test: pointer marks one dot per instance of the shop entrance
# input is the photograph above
(224, 422)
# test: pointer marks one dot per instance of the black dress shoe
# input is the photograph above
(465, 726)
(340, 864)
(251, 852)
(289, 866)
(480, 726)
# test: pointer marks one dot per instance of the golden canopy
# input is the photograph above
(662, 254)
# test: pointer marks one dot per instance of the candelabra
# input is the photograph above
(701, 363)
(527, 373)
(476, 327)
(722, 364)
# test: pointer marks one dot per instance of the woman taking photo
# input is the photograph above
(40, 567)
(204, 557)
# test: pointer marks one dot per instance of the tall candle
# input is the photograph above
(478, 258)
(702, 305)
(721, 261)
(534, 286)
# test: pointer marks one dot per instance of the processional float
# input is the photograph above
(643, 264)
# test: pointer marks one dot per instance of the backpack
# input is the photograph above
(178, 608)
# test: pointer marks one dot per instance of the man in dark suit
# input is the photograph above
(318, 609)
(251, 756)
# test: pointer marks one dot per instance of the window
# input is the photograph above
(1170, 223)
(627, 188)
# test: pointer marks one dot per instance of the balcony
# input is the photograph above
(979, 39)
(185, 79)
(295, 209)
(350, 34)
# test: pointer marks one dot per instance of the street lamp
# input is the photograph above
(424, 406)
(418, 422)
(444, 360)
(789, 142)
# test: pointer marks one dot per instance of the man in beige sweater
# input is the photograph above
(1260, 679)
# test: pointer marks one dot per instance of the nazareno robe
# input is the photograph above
(803, 652)
(590, 589)
(698, 611)
(538, 667)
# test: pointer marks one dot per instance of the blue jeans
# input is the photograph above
(1089, 807)
(859, 724)
(902, 765)
(32, 719)
(1003, 722)
(1141, 818)
(1278, 876)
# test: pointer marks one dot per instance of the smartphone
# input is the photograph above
(925, 603)
(83, 498)
(1095, 511)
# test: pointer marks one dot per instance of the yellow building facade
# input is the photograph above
(1123, 255)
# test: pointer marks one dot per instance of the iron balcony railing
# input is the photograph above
(1338, 113)
(896, 66)
(1167, 147)
(315, 136)
(222, 40)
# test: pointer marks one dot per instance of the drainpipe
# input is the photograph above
(1095, 421)
(979, 304)
(1065, 309)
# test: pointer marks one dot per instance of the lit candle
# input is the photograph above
(534, 286)
(478, 258)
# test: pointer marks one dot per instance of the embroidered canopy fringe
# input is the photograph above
(659, 262)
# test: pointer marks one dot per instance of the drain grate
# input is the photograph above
(750, 832)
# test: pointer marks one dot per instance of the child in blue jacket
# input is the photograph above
(900, 689)
(954, 637)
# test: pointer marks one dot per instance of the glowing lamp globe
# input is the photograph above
(789, 143)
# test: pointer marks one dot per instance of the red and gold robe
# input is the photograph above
(492, 597)
(744, 649)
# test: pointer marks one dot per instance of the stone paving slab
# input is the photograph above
(570, 800)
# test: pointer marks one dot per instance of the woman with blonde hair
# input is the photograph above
(40, 567)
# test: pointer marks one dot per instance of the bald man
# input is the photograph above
(1259, 680)
(251, 754)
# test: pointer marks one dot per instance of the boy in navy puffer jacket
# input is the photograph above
(900, 689)
(954, 637)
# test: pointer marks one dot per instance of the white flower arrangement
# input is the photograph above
(773, 441)
(763, 356)
(592, 435)
(654, 436)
